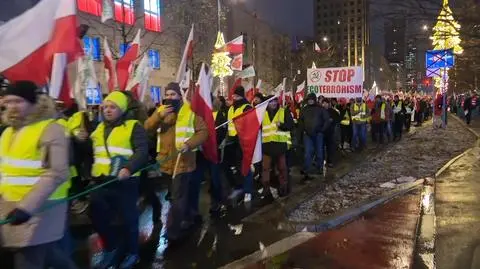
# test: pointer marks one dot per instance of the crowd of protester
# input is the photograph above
(115, 148)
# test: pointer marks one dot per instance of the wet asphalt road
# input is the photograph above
(211, 244)
(381, 238)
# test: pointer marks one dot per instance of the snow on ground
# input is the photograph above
(419, 155)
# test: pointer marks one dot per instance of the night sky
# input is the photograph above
(293, 17)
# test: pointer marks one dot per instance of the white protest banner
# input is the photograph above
(336, 82)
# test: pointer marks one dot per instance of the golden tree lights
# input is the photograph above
(220, 60)
(446, 35)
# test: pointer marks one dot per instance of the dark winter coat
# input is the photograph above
(313, 120)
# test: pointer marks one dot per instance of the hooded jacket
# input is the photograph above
(48, 226)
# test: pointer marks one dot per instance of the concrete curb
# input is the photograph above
(349, 214)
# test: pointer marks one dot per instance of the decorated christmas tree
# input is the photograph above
(220, 60)
(446, 35)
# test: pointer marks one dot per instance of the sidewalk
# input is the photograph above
(457, 198)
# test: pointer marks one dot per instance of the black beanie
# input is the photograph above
(239, 91)
(25, 89)
(311, 96)
(173, 86)
(259, 95)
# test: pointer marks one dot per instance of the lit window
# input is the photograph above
(154, 58)
(156, 94)
(152, 15)
(123, 48)
(124, 11)
(90, 6)
(91, 45)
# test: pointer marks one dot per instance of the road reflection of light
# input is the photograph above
(203, 232)
(162, 243)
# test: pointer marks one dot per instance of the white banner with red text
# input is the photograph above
(336, 82)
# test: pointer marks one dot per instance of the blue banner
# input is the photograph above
(439, 59)
(94, 95)
(156, 94)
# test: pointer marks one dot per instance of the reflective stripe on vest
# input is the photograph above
(382, 111)
(362, 113)
(119, 144)
(233, 113)
(21, 162)
(346, 119)
(270, 131)
(398, 107)
(184, 127)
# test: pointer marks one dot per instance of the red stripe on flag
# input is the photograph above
(235, 48)
(201, 109)
(37, 66)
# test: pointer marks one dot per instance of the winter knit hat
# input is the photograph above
(259, 95)
(119, 99)
(240, 91)
(23, 88)
(312, 96)
(173, 86)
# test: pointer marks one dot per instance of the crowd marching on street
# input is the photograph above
(51, 152)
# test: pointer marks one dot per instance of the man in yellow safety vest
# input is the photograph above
(359, 112)
(120, 149)
(398, 117)
(33, 172)
(276, 126)
(179, 131)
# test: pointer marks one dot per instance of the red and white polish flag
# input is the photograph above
(251, 91)
(187, 54)
(248, 128)
(108, 62)
(139, 82)
(202, 107)
(125, 64)
(235, 46)
(237, 62)
(31, 41)
(300, 92)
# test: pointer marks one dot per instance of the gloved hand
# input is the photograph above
(18, 216)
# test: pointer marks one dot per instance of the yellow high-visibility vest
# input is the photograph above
(233, 113)
(346, 118)
(64, 124)
(75, 122)
(185, 126)
(270, 131)
(21, 162)
(362, 115)
(382, 111)
(215, 114)
(118, 142)
(397, 108)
